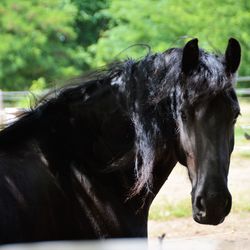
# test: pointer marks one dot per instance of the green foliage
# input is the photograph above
(35, 90)
(90, 20)
(37, 39)
(62, 38)
(38, 85)
(162, 24)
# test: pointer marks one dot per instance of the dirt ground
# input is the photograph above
(236, 226)
(180, 234)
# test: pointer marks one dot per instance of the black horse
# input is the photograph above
(87, 162)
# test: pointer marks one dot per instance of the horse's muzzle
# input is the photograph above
(212, 208)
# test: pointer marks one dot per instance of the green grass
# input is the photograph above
(239, 135)
(164, 210)
(241, 155)
(241, 202)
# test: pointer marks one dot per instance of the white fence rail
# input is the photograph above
(243, 91)
(9, 107)
(8, 99)
(192, 243)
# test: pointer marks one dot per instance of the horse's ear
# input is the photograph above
(190, 57)
(232, 55)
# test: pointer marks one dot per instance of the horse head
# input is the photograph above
(206, 113)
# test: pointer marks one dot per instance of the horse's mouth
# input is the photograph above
(211, 208)
(212, 214)
(207, 221)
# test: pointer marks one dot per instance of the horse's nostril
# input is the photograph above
(200, 204)
(211, 208)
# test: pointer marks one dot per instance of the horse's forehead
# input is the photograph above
(213, 62)
(217, 106)
(221, 103)
(210, 76)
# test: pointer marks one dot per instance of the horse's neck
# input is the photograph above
(106, 198)
(95, 144)
(92, 155)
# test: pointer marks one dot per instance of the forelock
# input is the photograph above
(208, 80)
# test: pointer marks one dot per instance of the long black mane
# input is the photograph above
(140, 90)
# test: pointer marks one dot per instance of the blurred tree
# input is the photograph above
(62, 38)
(90, 20)
(37, 39)
(163, 24)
